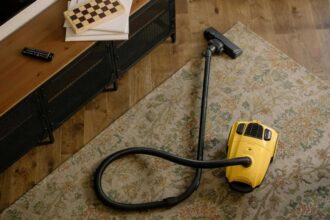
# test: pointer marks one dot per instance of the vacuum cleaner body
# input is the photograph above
(257, 141)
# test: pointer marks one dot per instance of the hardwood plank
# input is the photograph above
(261, 19)
(321, 13)
(48, 157)
(95, 117)
(281, 15)
(71, 136)
(140, 82)
(324, 36)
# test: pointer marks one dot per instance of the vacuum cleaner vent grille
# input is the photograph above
(254, 130)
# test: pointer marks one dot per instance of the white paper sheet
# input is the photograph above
(103, 35)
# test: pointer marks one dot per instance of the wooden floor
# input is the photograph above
(300, 28)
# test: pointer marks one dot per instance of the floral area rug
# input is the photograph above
(264, 84)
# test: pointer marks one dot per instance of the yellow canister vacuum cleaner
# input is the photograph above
(251, 145)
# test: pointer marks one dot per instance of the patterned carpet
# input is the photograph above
(262, 84)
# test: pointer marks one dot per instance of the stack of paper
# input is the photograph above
(115, 29)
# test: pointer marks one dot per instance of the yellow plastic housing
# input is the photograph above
(260, 151)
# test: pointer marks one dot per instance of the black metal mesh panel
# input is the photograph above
(77, 93)
(71, 73)
(18, 115)
(20, 129)
(130, 51)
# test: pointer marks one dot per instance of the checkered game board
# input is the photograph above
(92, 13)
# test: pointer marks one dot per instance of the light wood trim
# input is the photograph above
(20, 75)
(138, 4)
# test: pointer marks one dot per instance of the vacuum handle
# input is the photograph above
(229, 47)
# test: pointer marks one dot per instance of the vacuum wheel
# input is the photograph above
(241, 187)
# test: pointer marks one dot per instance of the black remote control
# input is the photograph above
(36, 53)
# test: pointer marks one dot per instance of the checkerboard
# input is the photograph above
(92, 13)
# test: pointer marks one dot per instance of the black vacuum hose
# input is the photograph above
(198, 164)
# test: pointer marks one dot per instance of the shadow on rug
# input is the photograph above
(262, 84)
